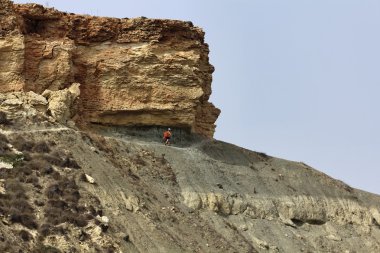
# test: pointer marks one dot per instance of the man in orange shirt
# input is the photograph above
(167, 136)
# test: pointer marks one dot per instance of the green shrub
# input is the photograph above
(14, 159)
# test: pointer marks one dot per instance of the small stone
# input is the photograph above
(89, 179)
(334, 238)
(12, 102)
(244, 228)
(5, 165)
(5, 221)
(274, 248)
(66, 169)
(131, 203)
(71, 124)
(104, 219)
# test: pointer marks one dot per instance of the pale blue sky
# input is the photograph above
(294, 79)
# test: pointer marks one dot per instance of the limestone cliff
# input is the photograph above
(109, 187)
(132, 71)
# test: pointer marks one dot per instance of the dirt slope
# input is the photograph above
(195, 196)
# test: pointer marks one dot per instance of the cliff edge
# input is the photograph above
(147, 72)
(113, 186)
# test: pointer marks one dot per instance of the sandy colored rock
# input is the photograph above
(19, 105)
(2, 185)
(199, 195)
(48, 63)
(145, 72)
(12, 63)
(89, 179)
(60, 102)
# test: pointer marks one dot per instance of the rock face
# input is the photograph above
(115, 192)
(132, 71)
(117, 189)
(61, 102)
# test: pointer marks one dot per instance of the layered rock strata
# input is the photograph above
(132, 71)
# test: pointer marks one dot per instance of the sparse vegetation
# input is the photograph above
(3, 118)
(263, 156)
(15, 205)
(41, 248)
(40, 167)
(162, 160)
(21, 144)
(62, 205)
(139, 160)
(3, 144)
(41, 147)
(3, 138)
(25, 235)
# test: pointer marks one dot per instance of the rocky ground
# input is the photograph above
(108, 189)
(70, 185)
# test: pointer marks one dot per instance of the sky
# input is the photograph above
(296, 79)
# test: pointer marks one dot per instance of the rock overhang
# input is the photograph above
(132, 71)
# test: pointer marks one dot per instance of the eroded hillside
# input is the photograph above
(83, 103)
(118, 189)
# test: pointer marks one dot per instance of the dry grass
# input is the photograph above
(62, 206)
(59, 159)
(25, 235)
(41, 147)
(3, 118)
(41, 248)
(3, 144)
(21, 144)
(40, 171)
(139, 160)
(3, 138)
(15, 204)
(3, 147)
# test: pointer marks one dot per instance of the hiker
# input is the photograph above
(167, 136)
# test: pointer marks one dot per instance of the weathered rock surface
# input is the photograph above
(132, 71)
(197, 196)
(206, 196)
(61, 102)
